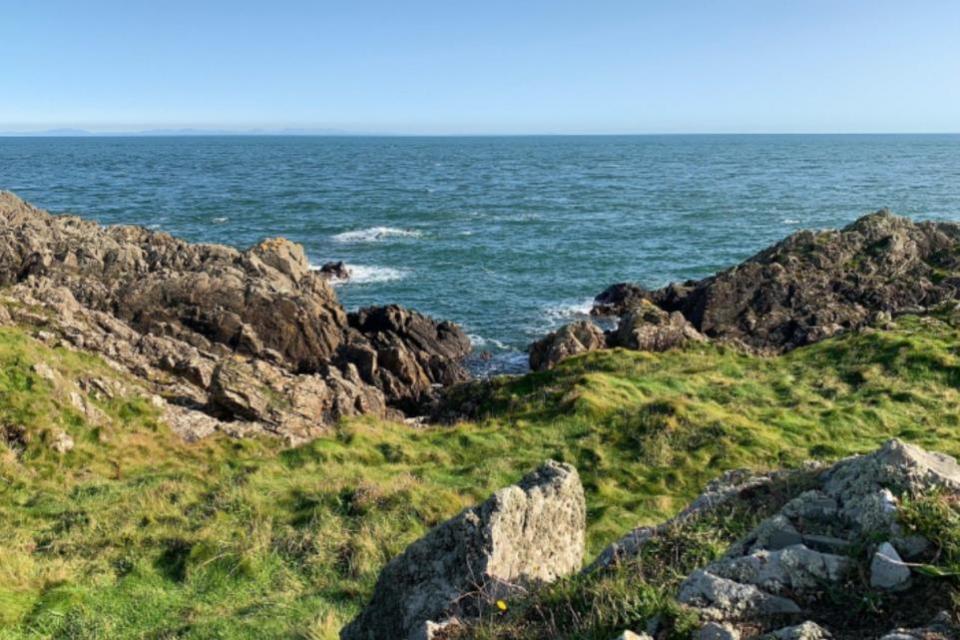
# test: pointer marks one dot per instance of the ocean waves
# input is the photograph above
(375, 234)
(367, 274)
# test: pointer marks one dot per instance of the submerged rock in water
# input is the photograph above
(335, 270)
(526, 534)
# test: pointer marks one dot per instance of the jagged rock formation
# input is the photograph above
(526, 534)
(644, 327)
(569, 340)
(253, 340)
(647, 327)
(810, 286)
(779, 571)
(779, 582)
(405, 354)
(813, 284)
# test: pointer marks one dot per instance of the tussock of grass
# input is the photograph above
(134, 534)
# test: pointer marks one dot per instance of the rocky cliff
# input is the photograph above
(231, 340)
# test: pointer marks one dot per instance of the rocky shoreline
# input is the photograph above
(236, 341)
(256, 342)
(810, 286)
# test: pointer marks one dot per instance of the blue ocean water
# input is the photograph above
(508, 236)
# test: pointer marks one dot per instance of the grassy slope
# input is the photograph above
(134, 534)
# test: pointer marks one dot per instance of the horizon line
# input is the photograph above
(184, 132)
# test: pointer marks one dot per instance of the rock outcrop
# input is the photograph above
(813, 285)
(782, 568)
(526, 534)
(569, 340)
(335, 270)
(645, 327)
(405, 354)
(253, 340)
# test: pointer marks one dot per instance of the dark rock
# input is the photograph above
(617, 299)
(335, 270)
(813, 285)
(405, 354)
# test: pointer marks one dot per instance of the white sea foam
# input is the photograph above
(376, 234)
(790, 221)
(568, 310)
(479, 342)
(367, 274)
(220, 220)
(554, 316)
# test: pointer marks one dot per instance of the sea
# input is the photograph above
(508, 236)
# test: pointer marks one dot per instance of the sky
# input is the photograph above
(485, 67)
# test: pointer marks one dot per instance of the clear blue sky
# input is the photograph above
(491, 66)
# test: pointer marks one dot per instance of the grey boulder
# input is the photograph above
(526, 534)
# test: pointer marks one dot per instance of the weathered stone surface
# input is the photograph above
(526, 534)
(814, 284)
(263, 298)
(716, 631)
(431, 630)
(794, 568)
(940, 628)
(647, 327)
(897, 465)
(569, 340)
(630, 635)
(717, 493)
(806, 631)
(811, 545)
(724, 599)
(618, 299)
(62, 443)
(887, 570)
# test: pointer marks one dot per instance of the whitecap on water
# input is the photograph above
(375, 234)
(366, 274)
(559, 314)
(479, 342)
(220, 220)
(569, 310)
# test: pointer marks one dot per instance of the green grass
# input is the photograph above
(134, 534)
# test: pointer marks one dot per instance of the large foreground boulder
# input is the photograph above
(526, 534)
(813, 284)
